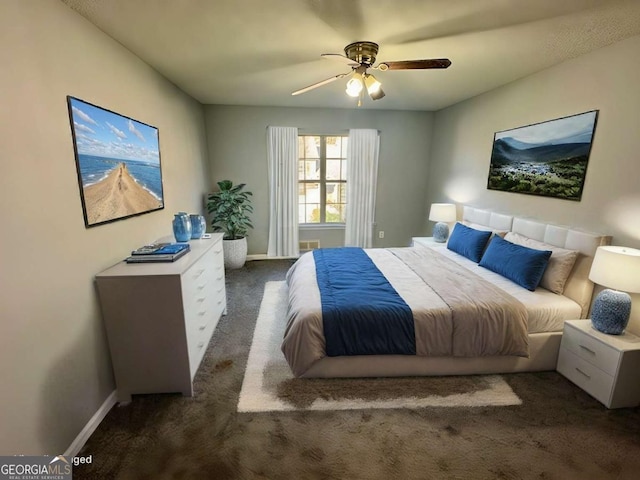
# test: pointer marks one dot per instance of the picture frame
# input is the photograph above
(117, 162)
(548, 158)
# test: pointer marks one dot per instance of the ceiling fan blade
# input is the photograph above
(341, 58)
(415, 64)
(319, 84)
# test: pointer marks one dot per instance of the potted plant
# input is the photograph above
(229, 209)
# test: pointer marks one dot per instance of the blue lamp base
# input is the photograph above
(440, 232)
(610, 313)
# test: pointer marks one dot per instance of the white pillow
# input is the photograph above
(560, 264)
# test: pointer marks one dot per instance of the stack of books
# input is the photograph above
(158, 252)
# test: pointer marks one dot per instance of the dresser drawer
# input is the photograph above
(218, 268)
(591, 350)
(208, 303)
(204, 300)
(198, 337)
(199, 334)
(198, 307)
(585, 375)
(199, 314)
(198, 276)
(219, 254)
(200, 285)
(219, 293)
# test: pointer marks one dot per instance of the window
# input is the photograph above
(322, 178)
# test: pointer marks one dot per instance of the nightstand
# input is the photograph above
(426, 242)
(605, 366)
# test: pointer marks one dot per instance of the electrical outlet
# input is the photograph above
(381, 234)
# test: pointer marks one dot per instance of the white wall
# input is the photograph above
(605, 80)
(55, 368)
(238, 151)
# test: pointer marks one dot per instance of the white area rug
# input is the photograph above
(269, 385)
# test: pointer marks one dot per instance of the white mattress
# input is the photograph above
(547, 310)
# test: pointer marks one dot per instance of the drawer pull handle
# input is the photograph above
(219, 302)
(200, 300)
(218, 251)
(587, 350)
(200, 287)
(200, 272)
(220, 289)
(219, 278)
(202, 313)
(202, 327)
(582, 373)
(200, 344)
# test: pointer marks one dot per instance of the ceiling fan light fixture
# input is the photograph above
(377, 95)
(354, 85)
(373, 85)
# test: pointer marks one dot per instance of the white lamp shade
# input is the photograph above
(442, 212)
(617, 268)
(372, 83)
(354, 86)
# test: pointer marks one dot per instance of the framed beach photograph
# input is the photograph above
(548, 158)
(117, 161)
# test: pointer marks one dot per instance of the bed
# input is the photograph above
(497, 326)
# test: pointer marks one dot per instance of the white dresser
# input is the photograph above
(605, 366)
(160, 317)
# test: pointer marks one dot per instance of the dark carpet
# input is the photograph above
(559, 432)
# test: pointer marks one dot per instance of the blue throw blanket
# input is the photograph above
(362, 314)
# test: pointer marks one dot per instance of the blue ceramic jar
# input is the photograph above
(182, 227)
(198, 225)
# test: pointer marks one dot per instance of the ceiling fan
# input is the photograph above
(361, 56)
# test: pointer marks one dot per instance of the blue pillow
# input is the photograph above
(523, 265)
(468, 241)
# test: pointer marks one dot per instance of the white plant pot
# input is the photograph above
(235, 253)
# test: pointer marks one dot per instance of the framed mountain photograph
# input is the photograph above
(548, 159)
(117, 161)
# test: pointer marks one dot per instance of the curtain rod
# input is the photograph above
(314, 131)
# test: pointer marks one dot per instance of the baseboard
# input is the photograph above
(263, 256)
(91, 425)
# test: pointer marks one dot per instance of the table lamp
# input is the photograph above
(442, 213)
(618, 269)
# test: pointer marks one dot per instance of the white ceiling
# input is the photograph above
(256, 52)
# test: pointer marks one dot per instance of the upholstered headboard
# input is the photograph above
(578, 287)
(486, 218)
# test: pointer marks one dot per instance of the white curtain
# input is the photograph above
(362, 177)
(282, 152)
